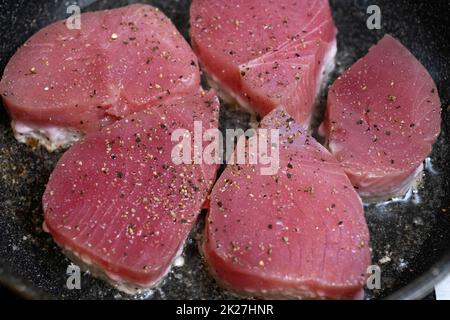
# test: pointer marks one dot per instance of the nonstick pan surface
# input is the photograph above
(411, 237)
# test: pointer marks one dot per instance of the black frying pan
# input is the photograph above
(412, 237)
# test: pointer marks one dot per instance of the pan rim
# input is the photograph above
(417, 289)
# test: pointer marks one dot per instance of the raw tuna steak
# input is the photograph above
(383, 117)
(117, 203)
(266, 53)
(62, 83)
(298, 234)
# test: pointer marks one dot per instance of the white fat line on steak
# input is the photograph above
(50, 137)
(86, 264)
(231, 97)
(402, 193)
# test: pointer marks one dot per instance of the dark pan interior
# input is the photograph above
(412, 237)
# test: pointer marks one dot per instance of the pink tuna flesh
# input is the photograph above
(266, 53)
(117, 201)
(119, 62)
(298, 234)
(383, 116)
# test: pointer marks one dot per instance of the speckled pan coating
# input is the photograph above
(409, 237)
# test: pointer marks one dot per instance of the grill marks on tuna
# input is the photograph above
(266, 53)
(298, 234)
(117, 202)
(383, 116)
(119, 62)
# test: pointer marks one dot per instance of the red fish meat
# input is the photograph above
(383, 116)
(300, 233)
(65, 82)
(266, 53)
(116, 201)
